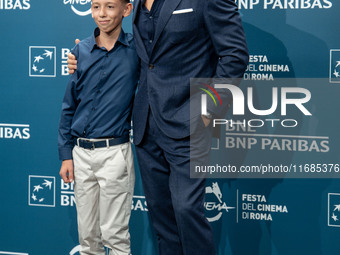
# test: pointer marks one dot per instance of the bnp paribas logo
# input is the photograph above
(12, 253)
(334, 66)
(42, 61)
(41, 191)
(334, 209)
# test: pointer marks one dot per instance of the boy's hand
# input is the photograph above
(71, 61)
(66, 170)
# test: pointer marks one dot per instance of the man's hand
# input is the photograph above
(206, 120)
(66, 170)
(71, 61)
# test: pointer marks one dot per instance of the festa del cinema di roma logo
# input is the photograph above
(214, 204)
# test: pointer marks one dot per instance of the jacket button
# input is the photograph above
(151, 66)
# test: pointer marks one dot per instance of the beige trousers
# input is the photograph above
(104, 184)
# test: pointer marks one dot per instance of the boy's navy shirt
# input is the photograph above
(99, 96)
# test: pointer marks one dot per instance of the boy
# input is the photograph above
(94, 131)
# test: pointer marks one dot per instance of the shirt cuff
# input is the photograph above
(65, 153)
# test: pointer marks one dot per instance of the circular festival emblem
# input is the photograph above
(214, 204)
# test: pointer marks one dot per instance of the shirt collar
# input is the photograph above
(121, 39)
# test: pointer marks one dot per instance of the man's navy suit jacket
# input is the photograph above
(193, 38)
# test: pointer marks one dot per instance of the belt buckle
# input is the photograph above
(92, 147)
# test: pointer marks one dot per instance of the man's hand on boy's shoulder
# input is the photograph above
(66, 171)
(71, 61)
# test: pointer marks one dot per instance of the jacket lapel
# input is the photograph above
(135, 8)
(168, 7)
(138, 40)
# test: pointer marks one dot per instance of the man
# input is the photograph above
(177, 40)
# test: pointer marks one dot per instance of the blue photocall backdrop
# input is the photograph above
(278, 216)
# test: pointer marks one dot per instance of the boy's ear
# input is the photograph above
(127, 9)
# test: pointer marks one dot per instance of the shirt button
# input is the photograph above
(151, 66)
(150, 41)
(150, 17)
(104, 73)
